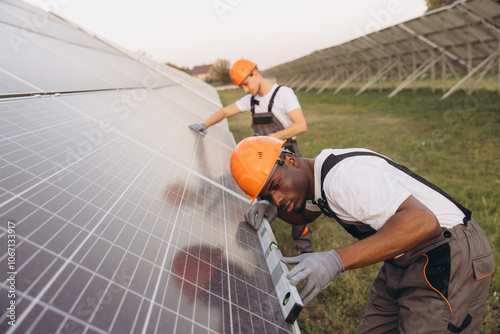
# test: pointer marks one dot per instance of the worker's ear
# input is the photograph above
(291, 160)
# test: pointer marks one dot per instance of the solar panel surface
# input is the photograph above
(114, 216)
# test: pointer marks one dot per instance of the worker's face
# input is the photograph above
(287, 187)
(251, 84)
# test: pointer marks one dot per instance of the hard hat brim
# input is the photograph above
(277, 158)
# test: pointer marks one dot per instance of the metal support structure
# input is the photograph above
(481, 76)
(456, 37)
(306, 81)
(453, 71)
(300, 78)
(417, 73)
(400, 69)
(414, 64)
(433, 45)
(332, 79)
(350, 79)
(291, 80)
(386, 68)
(469, 63)
(433, 71)
(464, 79)
(311, 86)
(443, 71)
(379, 83)
(296, 82)
(490, 26)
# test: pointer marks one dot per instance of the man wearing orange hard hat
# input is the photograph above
(437, 262)
(276, 112)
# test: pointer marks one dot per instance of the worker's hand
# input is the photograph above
(201, 128)
(257, 211)
(320, 269)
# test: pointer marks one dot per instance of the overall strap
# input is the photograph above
(332, 160)
(271, 101)
(254, 102)
(353, 230)
(322, 203)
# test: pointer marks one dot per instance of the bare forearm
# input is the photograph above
(298, 126)
(291, 131)
(215, 118)
(403, 231)
(219, 115)
(298, 218)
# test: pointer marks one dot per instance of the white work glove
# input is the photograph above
(257, 211)
(320, 269)
(201, 128)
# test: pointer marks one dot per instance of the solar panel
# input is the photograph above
(460, 39)
(20, 14)
(114, 216)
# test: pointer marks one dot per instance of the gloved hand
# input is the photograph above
(200, 128)
(320, 269)
(257, 211)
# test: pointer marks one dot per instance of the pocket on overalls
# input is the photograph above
(262, 119)
(483, 266)
(437, 270)
(483, 263)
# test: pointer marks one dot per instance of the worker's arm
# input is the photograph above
(215, 118)
(219, 115)
(411, 225)
(297, 127)
(302, 218)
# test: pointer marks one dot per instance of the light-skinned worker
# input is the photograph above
(437, 261)
(276, 112)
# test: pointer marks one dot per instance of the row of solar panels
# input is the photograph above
(455, 40)
(118, 218)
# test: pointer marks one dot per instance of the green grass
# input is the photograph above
(487, 82)
(454, 143)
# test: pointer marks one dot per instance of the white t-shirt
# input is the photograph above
(369, 190)
(284, 102)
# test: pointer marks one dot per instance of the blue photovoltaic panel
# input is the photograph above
(21, 14)
(114, 216)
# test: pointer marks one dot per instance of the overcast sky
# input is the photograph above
(268, 32)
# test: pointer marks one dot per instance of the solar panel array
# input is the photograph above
(461, 40)
(114, 216)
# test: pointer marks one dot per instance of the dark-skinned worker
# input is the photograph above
(276, 112)
(437, 261)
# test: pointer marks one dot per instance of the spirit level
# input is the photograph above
(288, 296)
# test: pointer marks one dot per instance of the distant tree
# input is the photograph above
(433, 4)
(219, 72)
(184, 69)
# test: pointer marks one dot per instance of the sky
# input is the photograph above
(187, 33)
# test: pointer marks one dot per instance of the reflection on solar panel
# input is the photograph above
(114, 216)
(461, 40)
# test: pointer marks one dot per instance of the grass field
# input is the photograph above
(454, 143)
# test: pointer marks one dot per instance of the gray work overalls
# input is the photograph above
(266, 123)
(440, 286)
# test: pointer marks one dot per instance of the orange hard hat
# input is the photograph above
(241, 70)
(253, 161)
